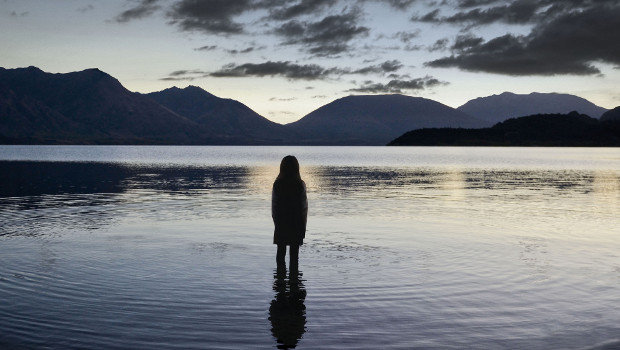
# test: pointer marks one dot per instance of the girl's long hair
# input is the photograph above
(289, 169)
(289, 178)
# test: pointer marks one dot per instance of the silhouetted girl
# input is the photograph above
(289, 209)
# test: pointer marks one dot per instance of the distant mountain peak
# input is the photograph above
(94, 71)
(379, 99)
(190, 91)
(497, 108)
(23, 70)
(376, 119)
(224, 117)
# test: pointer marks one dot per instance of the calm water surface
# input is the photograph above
(413, 247)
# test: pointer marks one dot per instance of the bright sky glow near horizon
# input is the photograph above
(286, 58)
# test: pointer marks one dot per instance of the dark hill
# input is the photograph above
(376, 119)
(497, 108)
(229, 119)
(84, 107)
(571, 129)
(611, 115)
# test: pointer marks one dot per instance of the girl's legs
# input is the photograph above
(294, 258)
(280, 255)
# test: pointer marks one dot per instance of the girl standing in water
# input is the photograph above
(289, 210)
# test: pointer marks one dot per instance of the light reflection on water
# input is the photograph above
(403, 254)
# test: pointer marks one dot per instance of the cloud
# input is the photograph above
(431, 16)
(399, 76)
(285, 69)
(210, 16)
(246, 50)
(178, 78)
(475, 3)
(222, 16)
(466, 41)
(327, 37)
(439, 45)
(567, 37)
(206, 48)
(385, 67)
(515, 12)
(484, 12)
(406, 37)
(296, 71)
(410, 47)
(282, 99)
(186, 72)
(300, 8)
(396, 86)
(397, 4)
(185, 75)
(568, 44)
(144, 9)
(391, 66)
(400, 4)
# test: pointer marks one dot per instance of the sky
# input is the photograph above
(284, 59)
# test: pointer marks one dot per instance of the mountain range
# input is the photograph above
(84, 107)
(92, 107)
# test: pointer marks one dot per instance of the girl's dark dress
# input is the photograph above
(289, 209)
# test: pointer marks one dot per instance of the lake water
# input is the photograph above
(414, 247)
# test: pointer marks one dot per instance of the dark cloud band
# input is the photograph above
(569, 44)
(144, 9)
(286, 69)
(397, 86)
(328, 36)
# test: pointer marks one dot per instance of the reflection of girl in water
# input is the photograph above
(289, 209)
(287, 311)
